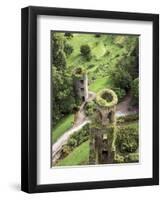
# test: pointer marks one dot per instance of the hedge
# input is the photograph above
(127, 118)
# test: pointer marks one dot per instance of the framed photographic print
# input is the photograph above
(90, 99)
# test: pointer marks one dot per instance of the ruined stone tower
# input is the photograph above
(81, 84)
(102, 128)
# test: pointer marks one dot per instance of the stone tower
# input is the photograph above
(81, 84)
(102, 128)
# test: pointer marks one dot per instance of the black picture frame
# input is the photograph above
(29, 99)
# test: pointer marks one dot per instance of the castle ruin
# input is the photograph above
(102, 128)
(81, 84)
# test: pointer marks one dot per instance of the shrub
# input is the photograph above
(132, 157)
(68, 49)
(90, 108)
(118, 158)
(65, 151)
(79, 137)
(86, 52)
(127, 118)
(128, 145)
(127, 139)
(72, 142)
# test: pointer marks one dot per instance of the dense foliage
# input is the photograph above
(121, 78)
(63, 97)
(135, 91)
(127, 143)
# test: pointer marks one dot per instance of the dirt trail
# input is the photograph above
(122, 108)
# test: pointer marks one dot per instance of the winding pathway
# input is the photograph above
(80, 121)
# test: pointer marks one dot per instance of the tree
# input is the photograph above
(60, 61)
(58, 55)
(63, 97)
(135, 91)
(130, 64)
(121, 78)
(68, 35)
(68, 49)
(86, 52)
(131, 60)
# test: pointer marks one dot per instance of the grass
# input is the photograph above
(78, 156)
(99, 84)
(99, 50)
(62, 126)
(99, 46)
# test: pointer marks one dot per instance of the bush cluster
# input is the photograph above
(75, 140)
(127, 118)
(90, 108)
(132, 157)
(127, 139)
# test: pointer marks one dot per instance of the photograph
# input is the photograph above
(94, 98)
(90, 99)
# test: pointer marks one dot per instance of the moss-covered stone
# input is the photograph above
(106, 98)
(79, 72)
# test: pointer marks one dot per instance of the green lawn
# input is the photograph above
(99, 47)
(99, 84)
(78, 156)
(62, 126)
